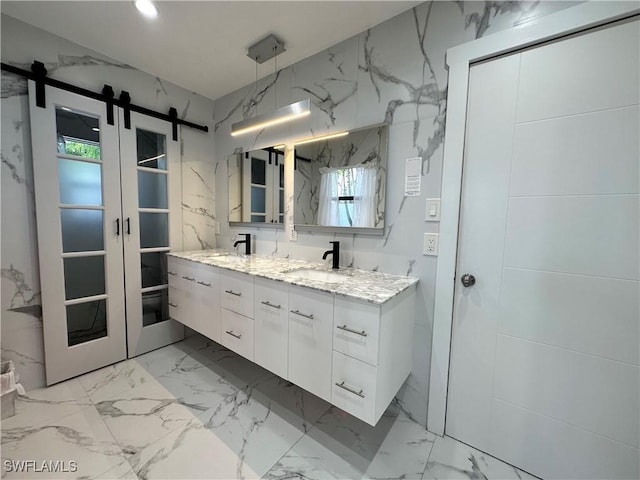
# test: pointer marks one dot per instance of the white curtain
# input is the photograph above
(358, 182)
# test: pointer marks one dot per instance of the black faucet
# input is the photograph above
(247, 243)
(335, 255)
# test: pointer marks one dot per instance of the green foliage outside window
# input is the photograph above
(82, 149)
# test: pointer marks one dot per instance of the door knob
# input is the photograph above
(468, 280)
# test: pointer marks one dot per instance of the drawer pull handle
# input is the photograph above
(347, 329)
(230, 332)
(271, 305)
(297, 312)
(172, 273)
(173, 305)
(189, 278)
(349, 389)
(205, 284)
(231, 292)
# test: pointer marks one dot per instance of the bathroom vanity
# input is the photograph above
(343, 335)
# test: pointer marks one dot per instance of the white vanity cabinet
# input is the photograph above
(371, 353)
(194, 296)
(350, 352)
(271, 326)
(310, 338)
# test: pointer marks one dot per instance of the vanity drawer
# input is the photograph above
(236, 293)
(177, 269)
(236, 333)
(271, 326)
(356, 329)
(353, 387)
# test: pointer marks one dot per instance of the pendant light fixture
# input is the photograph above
(260, 52)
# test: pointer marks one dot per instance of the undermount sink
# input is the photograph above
(318, 275)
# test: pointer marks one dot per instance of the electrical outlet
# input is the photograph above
(430, 246)
(433, 210)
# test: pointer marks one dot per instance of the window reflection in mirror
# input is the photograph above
(340, 182)
(256, 186)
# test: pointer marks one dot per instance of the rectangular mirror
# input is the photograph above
(256, 187)
(340, 182)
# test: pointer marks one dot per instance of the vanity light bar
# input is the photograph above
(323, 137)
(281, 115)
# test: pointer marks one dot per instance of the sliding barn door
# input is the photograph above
(151, 212)
(77, 191)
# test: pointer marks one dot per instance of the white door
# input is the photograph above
(108, 210)
(151, 212)
(77, 184)
(545, 345)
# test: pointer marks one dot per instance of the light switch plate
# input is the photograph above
(293, 233)
(433, 210)
(430, 246)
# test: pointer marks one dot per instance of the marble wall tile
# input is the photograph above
(399, 76)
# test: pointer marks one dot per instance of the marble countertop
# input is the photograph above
(372, 287)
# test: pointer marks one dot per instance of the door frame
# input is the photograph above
(459, 59)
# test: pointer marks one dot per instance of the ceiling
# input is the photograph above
(202, 45)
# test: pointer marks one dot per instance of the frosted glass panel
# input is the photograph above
(154, 230)
(153, 269)
(151, 149)
(82, 230)
(80, 182)
(83, 276)
(86, 321)
(152, 190)
(258, 199)
(155, 307)
(77, 133)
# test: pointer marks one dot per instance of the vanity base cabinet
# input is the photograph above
(271, 324)
(310, 339)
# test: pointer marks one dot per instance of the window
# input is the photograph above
(347, 196)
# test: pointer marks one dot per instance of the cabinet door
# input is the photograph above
(310, 325)
(206, 298)
(271, 326)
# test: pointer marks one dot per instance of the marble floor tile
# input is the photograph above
(241, 437)
(39, 406)
(114, 379)
(81, 437)
(341, 446)
(451, 459)
(141, 415)
(123, 471)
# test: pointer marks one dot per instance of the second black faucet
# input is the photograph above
(247, 243)
(335, 255)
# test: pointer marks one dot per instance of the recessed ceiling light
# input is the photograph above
(95, 129)
(147, 8)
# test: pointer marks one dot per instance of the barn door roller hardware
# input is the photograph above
(38, 74)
